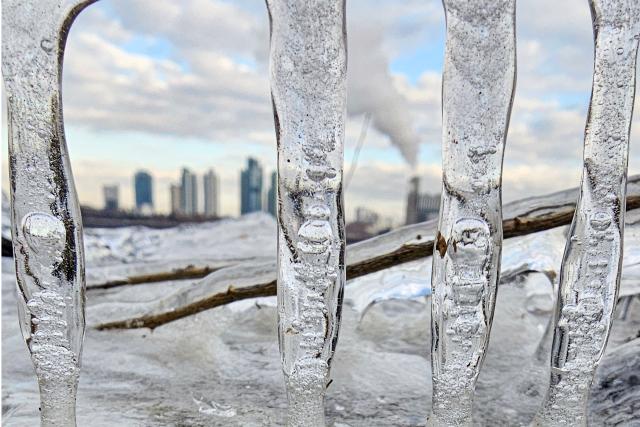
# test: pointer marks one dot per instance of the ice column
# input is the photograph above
(478, 86)
(590, 274)
(46, 223)
(308, 86)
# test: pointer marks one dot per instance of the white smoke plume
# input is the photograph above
(371, 90)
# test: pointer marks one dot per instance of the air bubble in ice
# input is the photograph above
(600, 220)
(44, 233)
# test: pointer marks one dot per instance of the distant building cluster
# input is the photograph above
(195, 197)
(186, 198)
(420, 206)
(184, 195)
(143, 186)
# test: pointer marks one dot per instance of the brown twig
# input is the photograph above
(188, 272)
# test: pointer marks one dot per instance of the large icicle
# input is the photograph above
(46, 223)
(308, 85)
(590, 274)
(478, 85)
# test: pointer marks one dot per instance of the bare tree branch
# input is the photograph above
(409, 243)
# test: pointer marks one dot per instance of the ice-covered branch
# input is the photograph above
(478, 84)
(257, 279)
(308, 87)
(46, 223)
(591, 268)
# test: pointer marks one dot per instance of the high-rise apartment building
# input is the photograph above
(210, 184)
(189, 193)
(251, 187)
(176, 199)
(143, 184)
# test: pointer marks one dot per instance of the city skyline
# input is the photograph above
(255, 196)
(184, 194)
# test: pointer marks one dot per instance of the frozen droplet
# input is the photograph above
(316, 231)
(469, 246)
(317, 211)
(46, 45)
(320, 172)
(44, 232)
(211, 407)
(600, 221)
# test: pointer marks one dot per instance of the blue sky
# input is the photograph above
(159, 84)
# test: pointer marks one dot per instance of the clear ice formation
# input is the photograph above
(308, 87)
(46, 222)
(477, 93)
(591, 268)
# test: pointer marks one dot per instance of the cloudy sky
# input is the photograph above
(162, 84)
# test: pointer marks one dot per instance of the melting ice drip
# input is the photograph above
(478, 83)
(590, 275)
(308, 84)
(46, 225)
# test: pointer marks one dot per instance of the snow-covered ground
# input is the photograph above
(222, 367)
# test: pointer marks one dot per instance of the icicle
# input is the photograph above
(478, 85)
(308, 72)
(591, 267)
(46, 223)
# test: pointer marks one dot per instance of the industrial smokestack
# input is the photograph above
(412, 200)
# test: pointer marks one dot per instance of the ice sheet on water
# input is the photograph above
(228, 239)
(117, 253)
(230, 356)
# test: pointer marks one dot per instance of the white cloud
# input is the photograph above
(208, 81)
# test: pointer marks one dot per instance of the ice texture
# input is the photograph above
(591, 268)
(46, 223)
(308, 86)
(478, 86)
(114, 254)
(175, 377)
